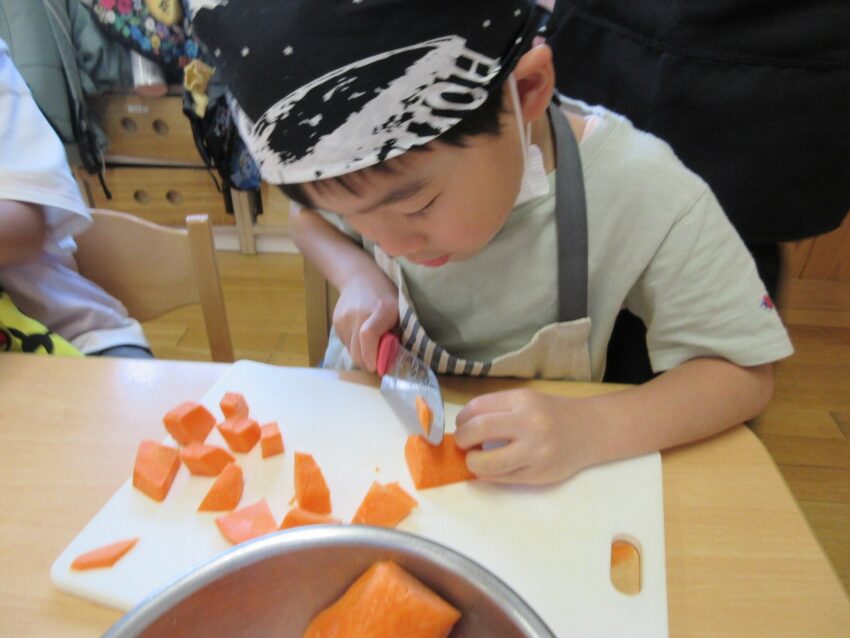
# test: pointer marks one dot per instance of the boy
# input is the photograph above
(46, 306)
(444, 191)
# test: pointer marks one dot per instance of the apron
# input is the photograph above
(556, 351)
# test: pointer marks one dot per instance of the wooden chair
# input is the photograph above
(320, 298)
(152, 269)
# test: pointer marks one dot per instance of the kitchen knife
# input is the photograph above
(404, 377)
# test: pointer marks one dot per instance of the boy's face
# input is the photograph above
(431, 207)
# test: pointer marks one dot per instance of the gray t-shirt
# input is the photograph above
(659, 245)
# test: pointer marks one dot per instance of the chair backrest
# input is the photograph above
(152, 269)
(320, 298)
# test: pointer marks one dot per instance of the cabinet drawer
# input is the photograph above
(161, 195)
(141, 128)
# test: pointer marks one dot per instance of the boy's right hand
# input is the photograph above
(367, 308)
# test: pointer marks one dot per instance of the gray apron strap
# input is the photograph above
(571, 221)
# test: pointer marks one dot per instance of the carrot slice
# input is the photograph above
(271, 442)
(297, 517)
(434, 465)
(240, 433)
(384, 505)
(189, 422)
(423, 411)
(205, 460)
(226, 492)
(155, 468)
(105, 556)
(233, 405)
(385, 602)
(247, 522)
(311, 490)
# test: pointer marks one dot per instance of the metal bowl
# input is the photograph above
(275, 585)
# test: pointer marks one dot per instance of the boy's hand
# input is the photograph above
(548, 438)
(367, 308)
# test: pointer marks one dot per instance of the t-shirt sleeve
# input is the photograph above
(33, 165)
(701, 296)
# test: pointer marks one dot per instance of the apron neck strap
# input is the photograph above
(571, 220)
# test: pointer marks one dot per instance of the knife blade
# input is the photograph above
(404, 377)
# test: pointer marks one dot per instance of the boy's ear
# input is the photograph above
(535, 76)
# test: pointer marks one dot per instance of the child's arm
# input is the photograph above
(368, 300)
(552, 438)
(22, 232)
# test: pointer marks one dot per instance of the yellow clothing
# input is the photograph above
(19, 333)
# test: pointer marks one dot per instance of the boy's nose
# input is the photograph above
(401, 245)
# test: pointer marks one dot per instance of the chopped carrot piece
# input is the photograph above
(226, 492)
(423, 411)
(189, 422)
(384, 505)
(385, 602)
(233, 406)
(105, 556)
(241, 433)
(247, 522)
(434, 465)
(311, 490)
(297, 517)
(205, 460)
(271, 442)
(155, 468)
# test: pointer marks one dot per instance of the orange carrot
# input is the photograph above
(105, 556)
(311, 490)
(385, 602)
(297, 517)
(247, 522)
(423, 411)
(189, 422)
(384, 505)
(434, 465)
(233, 406)
(205, 460)
(271, 442)
(155, 468)
(623, 552)
(226, 492)
(240, 433)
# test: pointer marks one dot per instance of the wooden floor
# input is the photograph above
(806, 428)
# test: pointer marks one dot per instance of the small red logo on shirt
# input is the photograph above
(766, 303)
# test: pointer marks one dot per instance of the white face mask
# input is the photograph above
(534, 180)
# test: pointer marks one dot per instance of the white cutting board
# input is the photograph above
(551, 545)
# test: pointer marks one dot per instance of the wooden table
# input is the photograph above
(741, 559)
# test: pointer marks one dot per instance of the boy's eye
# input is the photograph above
(421, 212)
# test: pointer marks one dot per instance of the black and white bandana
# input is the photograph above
(328, 87)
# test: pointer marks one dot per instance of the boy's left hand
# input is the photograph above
(548, 438)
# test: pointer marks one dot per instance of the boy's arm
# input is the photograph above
(368, 302)
(22, 232)
(552, 438)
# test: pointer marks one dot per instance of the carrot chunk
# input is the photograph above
(271, 442)
(226, 492)
(385, 602)
(189, 422)
(423, 412)
(155, 468)
(205, 460)
(311, 490)
(240, 433)
(384, 505)
(297, 517)
(434, 465)
(105, 556)
(247, 522)
(233, 406)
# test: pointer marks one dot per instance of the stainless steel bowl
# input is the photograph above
(274, 586)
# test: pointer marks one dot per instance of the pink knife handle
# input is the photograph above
(388, 347)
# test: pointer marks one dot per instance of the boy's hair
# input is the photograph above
(482, 121)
